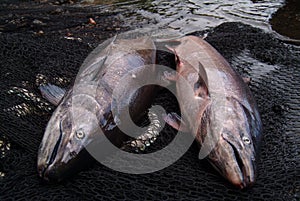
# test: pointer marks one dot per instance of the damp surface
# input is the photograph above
(49, 40)
(192, 15)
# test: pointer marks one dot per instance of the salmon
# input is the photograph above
(88, 105)
(226, 122)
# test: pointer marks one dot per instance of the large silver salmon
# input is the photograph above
(70, 128)
(227, 123)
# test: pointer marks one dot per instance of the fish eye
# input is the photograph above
(246, 140)
(80, 134)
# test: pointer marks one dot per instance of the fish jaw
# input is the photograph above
(58, 160)
(50, 155)
(58, 171)
(63, 145)
(234, 162)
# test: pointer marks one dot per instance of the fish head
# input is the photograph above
(235, 153)
(62, 150)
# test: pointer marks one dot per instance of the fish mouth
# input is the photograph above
(234, 162)
(55, 160)
(47, 169)
(242, 172)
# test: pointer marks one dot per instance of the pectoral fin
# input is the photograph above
(175, 121)
(52, 93)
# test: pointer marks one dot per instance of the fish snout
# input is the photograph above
(235, 161)
(243, 175)
(43, 157)
(49, 152)
(45, 172)
(50, 173)
(243, 168)
(249, 171)
(41, 169)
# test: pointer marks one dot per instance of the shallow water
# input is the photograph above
(187, 16)
(286, 20)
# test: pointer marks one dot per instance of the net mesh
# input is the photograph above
(27, 58)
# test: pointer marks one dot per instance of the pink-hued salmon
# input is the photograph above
(225, 102)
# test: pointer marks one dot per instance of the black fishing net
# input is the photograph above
(29, 57)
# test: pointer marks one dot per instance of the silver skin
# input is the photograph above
(76, 121)
(224, 101)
